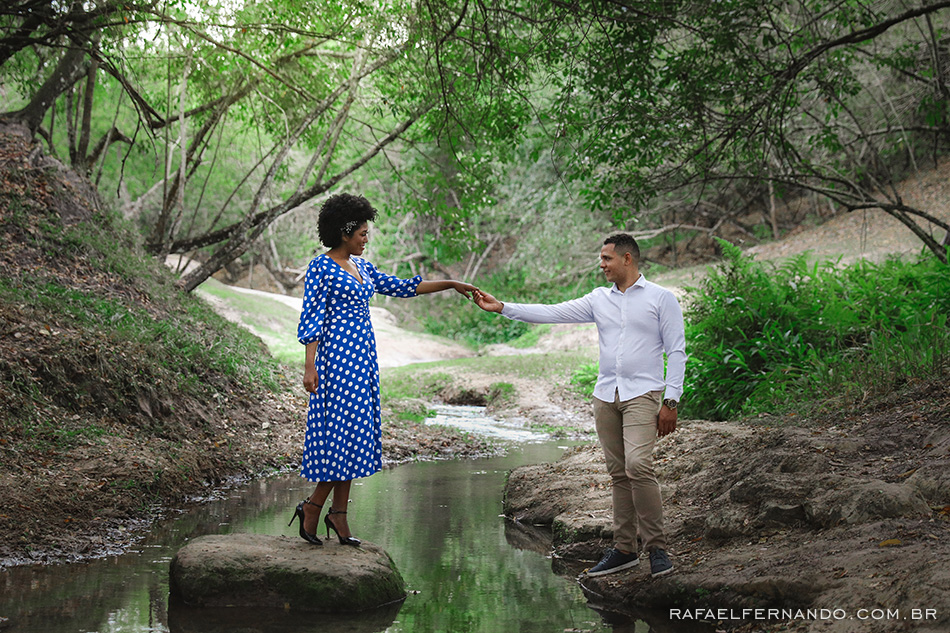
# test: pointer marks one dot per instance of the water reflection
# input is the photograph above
(184, 619)
(467, 568)
(529, 537)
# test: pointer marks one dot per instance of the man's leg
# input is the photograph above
(624, 554)
(639, 439)
(609, 422)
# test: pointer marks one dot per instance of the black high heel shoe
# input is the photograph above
(299, 514)
(344, 540)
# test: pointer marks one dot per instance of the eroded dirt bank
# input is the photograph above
(101, 427)
(101, 496)
(848, 513)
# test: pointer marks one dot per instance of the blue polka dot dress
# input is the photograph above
(343, 420)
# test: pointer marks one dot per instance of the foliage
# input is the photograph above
(247, 111)
(670, 119)
(770, 337)
(473, 326)
(461, 321)
(584, 378)
(752, 100)
(678, 122)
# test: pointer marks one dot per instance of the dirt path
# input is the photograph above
(871, 234)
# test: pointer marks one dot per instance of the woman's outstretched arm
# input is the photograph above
(461, 287)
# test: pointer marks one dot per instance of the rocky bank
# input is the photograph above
(849, 513)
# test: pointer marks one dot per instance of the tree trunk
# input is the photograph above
(82, 150)
(238, 238)
(71, 68)
(773, 215)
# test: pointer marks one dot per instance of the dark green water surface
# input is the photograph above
(467, 568)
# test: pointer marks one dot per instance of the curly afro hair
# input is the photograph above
(338, 214)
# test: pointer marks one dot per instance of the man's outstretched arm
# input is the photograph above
(574, 311)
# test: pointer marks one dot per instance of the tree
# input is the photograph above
(298, 95)
(832, 97)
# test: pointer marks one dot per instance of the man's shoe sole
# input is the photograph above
(662, 573)
(612, 570)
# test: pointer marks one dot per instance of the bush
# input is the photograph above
(584, 379)
(765, 337)
(464, 321)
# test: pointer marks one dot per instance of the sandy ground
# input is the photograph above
(870, 234)
(395, 346)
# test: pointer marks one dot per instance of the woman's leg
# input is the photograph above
(311, 510)
(341, 497)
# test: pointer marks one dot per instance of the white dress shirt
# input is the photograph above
(634, 328)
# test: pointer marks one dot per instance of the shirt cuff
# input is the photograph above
(673, 393)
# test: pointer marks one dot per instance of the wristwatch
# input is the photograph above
(670, 403)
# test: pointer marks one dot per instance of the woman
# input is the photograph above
(341, 371)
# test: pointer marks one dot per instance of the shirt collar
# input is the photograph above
(639, 283)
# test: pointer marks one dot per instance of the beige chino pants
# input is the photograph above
(627, 432)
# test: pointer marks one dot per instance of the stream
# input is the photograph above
(467, 568)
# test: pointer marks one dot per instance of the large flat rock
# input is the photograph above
(257, 570)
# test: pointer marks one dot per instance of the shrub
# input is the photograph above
(764, 337)
(462, 321)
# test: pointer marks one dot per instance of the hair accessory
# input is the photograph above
(351, 226)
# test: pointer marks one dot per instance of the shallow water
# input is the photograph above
(474, 420)
(466, 567)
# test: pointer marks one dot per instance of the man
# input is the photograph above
(637, 322)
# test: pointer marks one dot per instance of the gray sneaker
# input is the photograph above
(614, 560)
(660, 564)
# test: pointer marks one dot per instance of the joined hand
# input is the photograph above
(487, 302)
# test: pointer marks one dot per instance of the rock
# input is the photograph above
(932, 481)
(726, 521)
(781, 514)
(764, 487)
(711, 590)
(541, 492)
(256, 570)
(571, 527)
(864, 502)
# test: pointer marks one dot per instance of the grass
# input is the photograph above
(189, 342)
(272, 320)
(531, 337)
(99, 323)
(420, 381)
(534, 366)
(501, 393)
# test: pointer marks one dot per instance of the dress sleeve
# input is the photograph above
(314, 303)
(392, 286)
